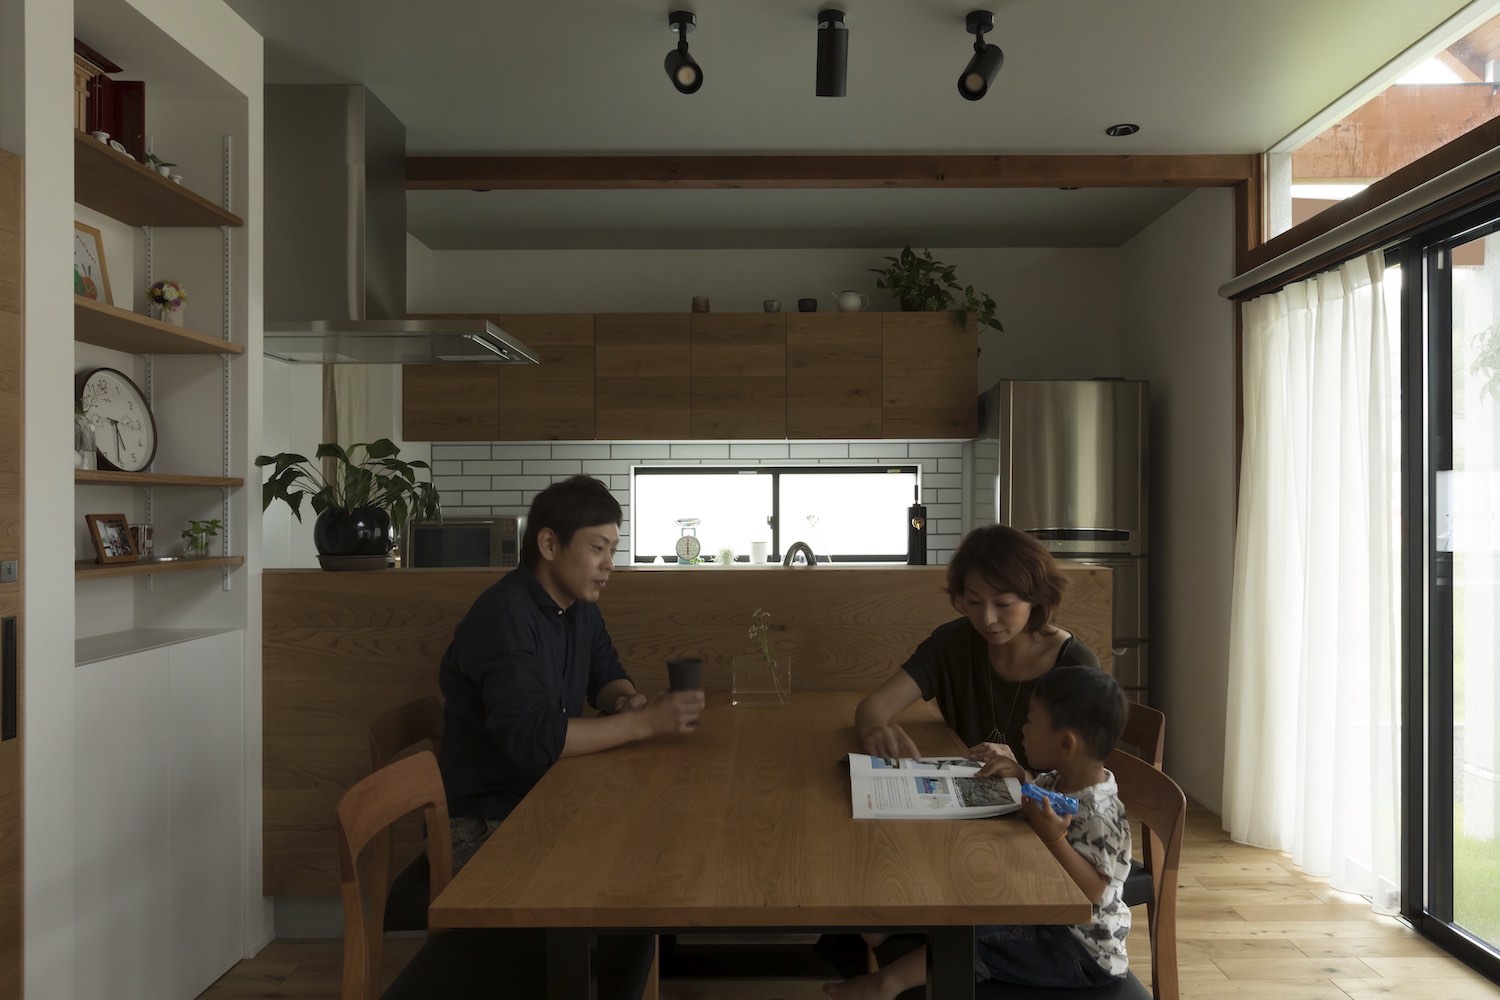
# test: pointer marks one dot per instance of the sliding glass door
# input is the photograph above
(1453, 475)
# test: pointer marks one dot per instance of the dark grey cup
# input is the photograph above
(685, 674)
(807, 305)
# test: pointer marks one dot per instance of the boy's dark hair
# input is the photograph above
(1012, 562)
(578, 502)
(1086, 700)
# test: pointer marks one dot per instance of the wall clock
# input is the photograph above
(124, 429)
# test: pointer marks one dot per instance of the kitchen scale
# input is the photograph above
(688, 545)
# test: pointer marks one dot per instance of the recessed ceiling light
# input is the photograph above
(1124, 128)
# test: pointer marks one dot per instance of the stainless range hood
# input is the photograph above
(335, 211)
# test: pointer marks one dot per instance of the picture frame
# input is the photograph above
(90, 271)
(111, 537)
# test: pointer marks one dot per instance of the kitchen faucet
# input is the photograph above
(803, 548)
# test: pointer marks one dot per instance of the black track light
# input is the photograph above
(987, 60)
(833, 53)
(686, 75)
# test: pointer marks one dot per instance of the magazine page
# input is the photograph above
(927, 788)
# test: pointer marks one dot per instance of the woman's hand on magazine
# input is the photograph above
(986, 752)
(887, 741)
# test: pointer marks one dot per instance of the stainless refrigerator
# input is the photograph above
(1066, 462)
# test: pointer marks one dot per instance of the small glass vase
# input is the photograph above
(757, 681)
(84, 456)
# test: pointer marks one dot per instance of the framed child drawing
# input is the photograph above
(90, 275)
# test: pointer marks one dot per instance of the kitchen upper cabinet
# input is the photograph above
(643, 367)
(930, 376)
(739, 375)
(833, 375)
(552, 400)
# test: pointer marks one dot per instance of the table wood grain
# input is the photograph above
(748, 823)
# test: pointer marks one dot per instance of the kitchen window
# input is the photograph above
(843, 513)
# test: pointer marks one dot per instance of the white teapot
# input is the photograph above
(851, 302)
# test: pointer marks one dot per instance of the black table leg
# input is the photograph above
(950, 963)
(570, 965)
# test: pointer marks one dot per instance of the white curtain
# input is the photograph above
(1311, 749)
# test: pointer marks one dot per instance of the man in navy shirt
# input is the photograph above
(530, 652)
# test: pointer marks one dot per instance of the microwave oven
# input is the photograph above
(468, 541)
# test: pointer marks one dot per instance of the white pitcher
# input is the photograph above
(851, 302)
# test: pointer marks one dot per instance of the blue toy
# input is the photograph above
(1063, 805)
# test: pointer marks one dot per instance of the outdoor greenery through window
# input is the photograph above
(842, 513)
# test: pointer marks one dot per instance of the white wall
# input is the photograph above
(1179, 334)
(1057, 305)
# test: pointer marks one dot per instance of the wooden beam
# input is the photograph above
(1395, 128)
(1478, 47)
(567, 173)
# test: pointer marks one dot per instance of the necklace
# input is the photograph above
(997, 734)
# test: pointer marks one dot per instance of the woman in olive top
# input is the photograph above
(981, 667)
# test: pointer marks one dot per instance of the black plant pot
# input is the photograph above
(363, 531)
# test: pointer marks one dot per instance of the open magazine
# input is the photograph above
(928, 788)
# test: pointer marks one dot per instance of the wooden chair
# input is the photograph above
(395, 732)
(1146, 732)
(454, 963)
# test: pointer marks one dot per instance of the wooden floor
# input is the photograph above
(1249, 928)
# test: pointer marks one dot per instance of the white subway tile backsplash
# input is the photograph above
(599, 450)
(553, 467)
(883, 450)
(492, 468)
(602, 467)
(446, 483)
(935, 449)
(447, 468)
(640, 449)
(491, 498)
(454, 452)
(700, 450)
(533, 483)
(759, 450)
(949, 496)
(830, 449)
(939, 510)
(950, 465)
(522, 451)
(943, 480)
(946, 526)
(466, 511)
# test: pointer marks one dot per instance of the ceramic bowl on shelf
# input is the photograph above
(101, 136)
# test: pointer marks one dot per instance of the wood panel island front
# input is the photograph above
(342, 648)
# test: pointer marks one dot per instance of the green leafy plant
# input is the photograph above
(923, 284)
(760, 634)
(365, 475)
(195, 537)
(157, 161)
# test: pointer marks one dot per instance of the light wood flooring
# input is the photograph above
(1250, 927)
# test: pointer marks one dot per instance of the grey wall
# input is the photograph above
(1178, 333)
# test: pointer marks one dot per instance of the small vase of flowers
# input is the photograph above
(762, 677)
(167, 299)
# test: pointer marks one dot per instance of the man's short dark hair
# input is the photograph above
(1086, 700)
(579, 502)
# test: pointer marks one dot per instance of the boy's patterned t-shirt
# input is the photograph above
(1101, 833)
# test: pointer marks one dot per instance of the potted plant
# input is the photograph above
(922, 284)
(370, 493)
(196, 535)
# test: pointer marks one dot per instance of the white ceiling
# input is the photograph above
(503, 77)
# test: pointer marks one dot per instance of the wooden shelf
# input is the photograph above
(100, 477)
(111, 182)
(87, 569)
(122, 330)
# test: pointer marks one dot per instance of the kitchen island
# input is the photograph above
(341, 648)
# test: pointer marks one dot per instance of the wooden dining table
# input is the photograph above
(747, 824)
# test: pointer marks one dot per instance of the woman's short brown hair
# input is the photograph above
(1012, 562)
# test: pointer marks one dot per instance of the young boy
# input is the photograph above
(1075, 718)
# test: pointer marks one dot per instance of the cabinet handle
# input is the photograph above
(8, 670)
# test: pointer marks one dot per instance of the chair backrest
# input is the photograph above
(404, 726)
(364, 816)
(1146, 731)
(1152, 798)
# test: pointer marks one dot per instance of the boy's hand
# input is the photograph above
(1048, 825)
(1004, 767)
(674, 713)
(888, 741)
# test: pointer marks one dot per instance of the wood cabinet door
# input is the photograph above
(833, 375)
(553, 400)
(739, 375)
(930, 377)
(11, 274)
(643, 367)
